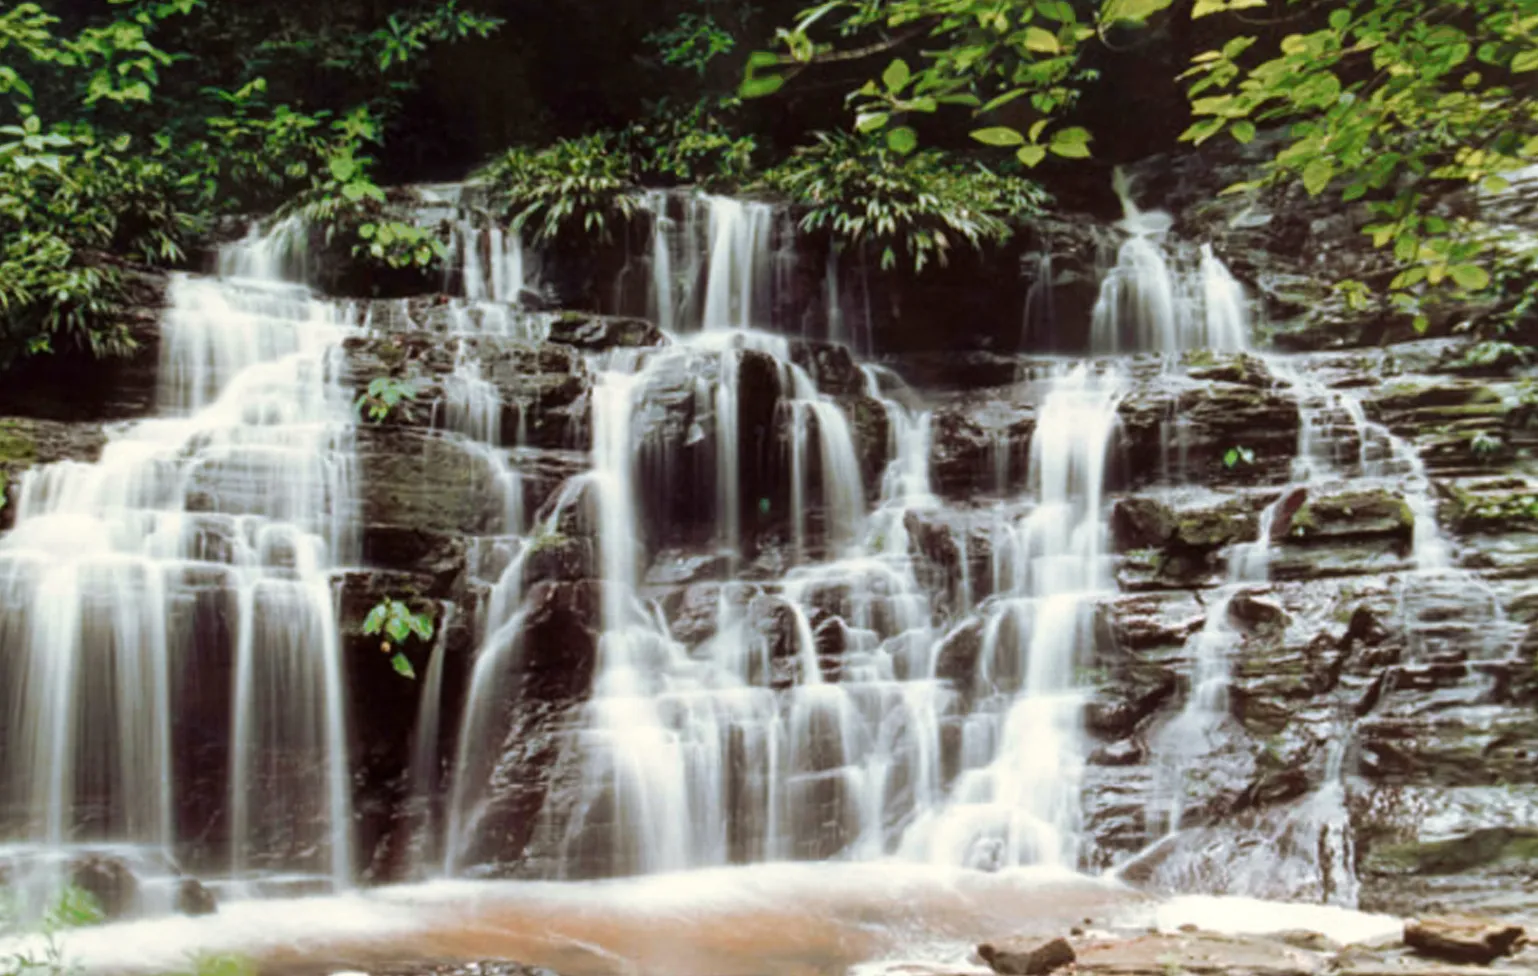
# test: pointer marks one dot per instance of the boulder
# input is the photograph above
(1463, 938)
(194, 898)
(1026, 957)
(109, 880)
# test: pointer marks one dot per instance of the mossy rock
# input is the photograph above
(1357, 514)
(1488, 847)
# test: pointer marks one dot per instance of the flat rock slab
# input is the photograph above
(1463, 938)
(1196, 953)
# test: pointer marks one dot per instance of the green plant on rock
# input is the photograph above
(385, 394)
(1485, 446)
(692, 144)
(910, 208)
(1235, 456)
(397, 623)
(1395, 104)
(568, 192)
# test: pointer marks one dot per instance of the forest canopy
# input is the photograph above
(129, 129)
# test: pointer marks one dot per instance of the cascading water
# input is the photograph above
(1020, 803)
(1146, 305)
(199, 546)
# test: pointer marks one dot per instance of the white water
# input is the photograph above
(236, 501)
(1148, 303)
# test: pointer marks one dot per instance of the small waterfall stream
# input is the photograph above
(233, 505)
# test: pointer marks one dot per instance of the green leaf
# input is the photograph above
(1495, 184)
(896, 76)
(1042, 41)
(376, 617)
(1206, 8)
(1002, 100)
(1317, 175)
(1072, 142)
(871, 121)
(1243, 130)
(760, 85)
(1470, 277)
(902, 140)
(1031, 155)
(1525, 60)
(342, 168)
(1340, 19)
(998, 135)
(402, 665)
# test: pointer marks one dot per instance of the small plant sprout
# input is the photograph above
(384, 394)
(1236, 456)
(397, 624)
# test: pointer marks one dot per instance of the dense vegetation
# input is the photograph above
(901, 128)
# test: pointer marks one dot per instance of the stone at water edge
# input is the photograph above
(194, 898)
(1463, 938)
(1026, 957)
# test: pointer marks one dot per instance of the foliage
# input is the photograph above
(398, 623)
(73, 908)
(916, 205)
(1395, 104)
(115, 141)
(383, 395)
(574, 188)
(980, 55)
(1235, 456)
(692, 42)
(691, 145)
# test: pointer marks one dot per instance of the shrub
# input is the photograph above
(568, 191)
(917, 205)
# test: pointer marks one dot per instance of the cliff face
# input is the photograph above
(1354, 722)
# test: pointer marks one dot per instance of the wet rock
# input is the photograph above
(109, 880)
(554, 556)
(1126, 752)
(437, 557)
(1355, 514)
(193, 898)
(1198, 953)
(1169, 424)
(26, 442)
(1463, 938)
(409, 478)
(956, 657)
(1116, 711)
(830, 365)
(599, 332)
(970, 371)
(980, 446)
(1026, 957)
(1146, 621)
(1252, 613)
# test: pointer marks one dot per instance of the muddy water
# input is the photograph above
(765, 920)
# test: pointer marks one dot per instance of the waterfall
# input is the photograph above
(1017, 798)
(1148, 303)
(236, 501)
(738, 289)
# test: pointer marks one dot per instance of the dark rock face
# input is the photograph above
(1463, 939)
(1025, 958)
